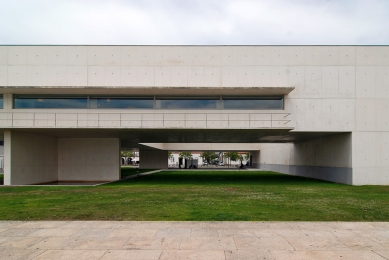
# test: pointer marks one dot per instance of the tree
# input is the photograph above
(208, 156)
(126, 155)
(232, 156)
(185, 155)
(170, 156)
(247, 156)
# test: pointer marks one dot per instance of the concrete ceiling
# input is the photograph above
(133, 138)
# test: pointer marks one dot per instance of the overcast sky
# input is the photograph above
(195, 22)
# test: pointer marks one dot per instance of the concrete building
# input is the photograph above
(315, 111)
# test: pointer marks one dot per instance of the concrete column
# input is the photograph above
(7, 157)
(88, 159)
(29, 158)
(255, 158)
(153, 159)
(7, 102)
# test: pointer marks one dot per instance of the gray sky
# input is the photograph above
(197, 22)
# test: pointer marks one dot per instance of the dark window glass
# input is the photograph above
(266, 103)
(187, 103)
(50, 102)
(114, 102)
(1, 101)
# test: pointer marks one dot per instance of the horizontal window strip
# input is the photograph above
(148, 102)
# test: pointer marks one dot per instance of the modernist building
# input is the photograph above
(316, 111)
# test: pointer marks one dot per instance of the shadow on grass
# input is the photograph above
(220, 177)
(126, 171)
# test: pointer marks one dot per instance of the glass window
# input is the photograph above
(27, 101)
(121, 102)
(265, 103)
(187, 103)
(1, 101)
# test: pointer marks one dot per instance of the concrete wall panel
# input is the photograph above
(346, 115)
(212, 56)
(346, 81)
(263, 55)
(365, 81)
(30, 158)
(112, 76)
(57, 56)
(263, 76)
(330, 55)
(196, 76)
(382, 112)
(330, 81)
(230, 76)
(57, 76)
(36, 55)
(382, 82)
(17, 55)
(146, 76)
(77, 76)
(145, 55)
(246, 56)
(3, 75)
(229, 55)
(78, 55)
(88, 159)
(36, 76)
(279, 76)
(313, 81)
(313, 55)
(17, 75)
(128, 76)
(162, 76)
(179, 76)
(297, 80)
(96, 76)
(104, 55)
(3, 55)
(129, 55)
(346, 55)
(296, 56)
(365, 114)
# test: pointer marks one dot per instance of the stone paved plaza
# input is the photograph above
(193, 240)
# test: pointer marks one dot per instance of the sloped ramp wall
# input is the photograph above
(328, 158)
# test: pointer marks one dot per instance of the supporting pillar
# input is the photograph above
(255, 159)
(88, 159)
(153, 159)
(29, 158)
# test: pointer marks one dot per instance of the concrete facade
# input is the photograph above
(334, 124)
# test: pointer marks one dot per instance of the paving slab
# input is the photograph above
(193, 240)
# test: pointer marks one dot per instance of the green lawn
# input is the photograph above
(200, 195)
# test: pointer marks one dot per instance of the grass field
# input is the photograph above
(200, 195)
